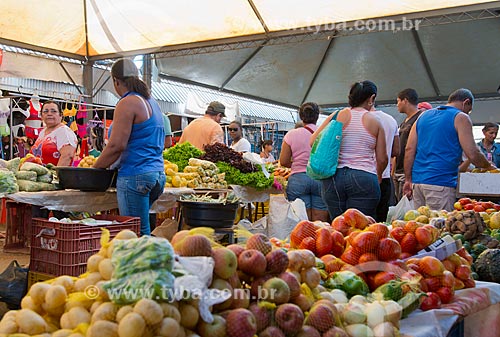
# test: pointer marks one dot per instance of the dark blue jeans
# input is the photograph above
(137, 193)
(350, 188)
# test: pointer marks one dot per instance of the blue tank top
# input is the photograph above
(438, 149)
(144, 149)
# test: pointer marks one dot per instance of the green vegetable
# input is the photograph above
(410, 302)
(181, 153)
(33, 186)
(255, 179)
(13, 164)
(39, 169)
(478, 248)
(8, 182)
(391, 290)
(26, 175)
(45, 178)
(349, 282)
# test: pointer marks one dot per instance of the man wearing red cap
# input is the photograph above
(424, 106)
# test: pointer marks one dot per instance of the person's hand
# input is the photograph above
(408, 189)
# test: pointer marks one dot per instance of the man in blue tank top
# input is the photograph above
(434, 152)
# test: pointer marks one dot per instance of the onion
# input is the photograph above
(385, 329)
(359, 330)
(375, 314)
(392, 312)
(354, 313)
(358, 299)
(339, 296)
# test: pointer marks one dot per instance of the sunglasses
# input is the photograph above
(232, 129)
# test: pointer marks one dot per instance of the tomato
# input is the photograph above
(458, 284)
(432, 301)
(463, 272)
(409, 244)
(383, 277)
(445, 294)
(423, 236)
(398, 233)
(302, 230)
(434, 232)
(337, 250)
(338, 238)
(352, 234)
(355, 218)
(350, 256)
(464, 201)
(324, 242)
(404, 255)
(469, 283)
(433, 283)
(388, 249)
(365, 242)
(448, 265)
(308, 243)
(463, 253)
(334, 265)
(468, 207)
(479, 208)
(455, 259)
(497, 207)
(340, 225)
(380, 230)
(431, 266)
(487, 205)
(411, 226)
(398, 267)
(366, 257)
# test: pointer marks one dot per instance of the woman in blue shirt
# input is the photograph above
(490, 149)
(137, 140)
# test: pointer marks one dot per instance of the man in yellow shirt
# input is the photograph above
(206, 130)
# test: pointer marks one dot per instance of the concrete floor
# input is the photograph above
(21, 255)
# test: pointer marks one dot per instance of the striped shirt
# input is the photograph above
(357, 150)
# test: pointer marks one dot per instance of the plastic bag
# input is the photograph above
(284, 215)
(398, 212)
(13, 285)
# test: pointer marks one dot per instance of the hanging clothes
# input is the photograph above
(4, 116)
(34, 122)
(95, 130)
(81, 115)
(69, 116)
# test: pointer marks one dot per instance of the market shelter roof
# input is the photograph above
(113, 27)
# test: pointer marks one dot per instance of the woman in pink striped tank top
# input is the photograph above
(362, 156)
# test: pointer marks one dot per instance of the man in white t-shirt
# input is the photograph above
(392, 144)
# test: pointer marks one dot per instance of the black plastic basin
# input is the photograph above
(85, 179)
(207, 214)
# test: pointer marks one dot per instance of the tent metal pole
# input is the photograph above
(425, 61)
(88, 79)
(71, 78)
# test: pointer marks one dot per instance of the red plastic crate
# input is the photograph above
(59, 248)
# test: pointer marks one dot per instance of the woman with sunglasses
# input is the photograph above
(239, 144)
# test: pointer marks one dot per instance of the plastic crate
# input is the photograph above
(34, 277)
(59, 248)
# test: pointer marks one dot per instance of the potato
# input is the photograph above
(93, 263)
(65, 324)
(126, 234)
(55, 296)
(103, 328)
(103, 295)
(169, 327)
(189, 315)
(76, 335)
(30, 322)
(27, 303)
(105, 312)
(78, 299)
(132, 325)
(8, 324)
(169, 310)
(106, 269)
(37, 292)
(94, 306)
(123, 311)
(66, 281)
(149, 310)
(77, 315)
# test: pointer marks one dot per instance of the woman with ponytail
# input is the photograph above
(137, 139)
(362, 157)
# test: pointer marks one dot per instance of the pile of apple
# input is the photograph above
(413, 236)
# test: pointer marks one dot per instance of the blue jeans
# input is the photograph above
(303, 187)
(137, 193)
(350, 188)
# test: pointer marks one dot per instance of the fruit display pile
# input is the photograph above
(198, 174)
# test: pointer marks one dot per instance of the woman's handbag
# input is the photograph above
(325, 151)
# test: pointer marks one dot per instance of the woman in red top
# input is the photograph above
(56, 143)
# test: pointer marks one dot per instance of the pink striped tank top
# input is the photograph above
(357, 150)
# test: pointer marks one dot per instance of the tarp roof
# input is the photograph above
(281, 51)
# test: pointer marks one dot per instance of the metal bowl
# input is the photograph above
(85, 179)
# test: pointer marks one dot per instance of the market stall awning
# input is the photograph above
(116, 27)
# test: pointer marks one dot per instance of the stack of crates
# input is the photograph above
(60, 248)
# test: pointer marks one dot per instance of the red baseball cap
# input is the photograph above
(424, 105)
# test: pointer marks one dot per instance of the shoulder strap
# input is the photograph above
(334, 118)
(309, 129)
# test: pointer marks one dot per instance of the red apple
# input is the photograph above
(241, 323)
(215, 329)
(322, 317)
(225, 261)
(277, 261)
(308, 331)
(241, 298)
(259, 242)
(272, 331)
(262, 315)
(292, 282)
(237, 249)
(252, 262)
(289, 318)
(275, 290)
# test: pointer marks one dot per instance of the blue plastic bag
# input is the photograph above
(324, 156)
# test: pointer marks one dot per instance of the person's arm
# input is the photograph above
(381, 152)
(123, 120)
(463, 125)
(217, 135)
(286, 155)
(168, 141)
(67, 153)
(395, 147)
(464, 166)
(410, 151)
